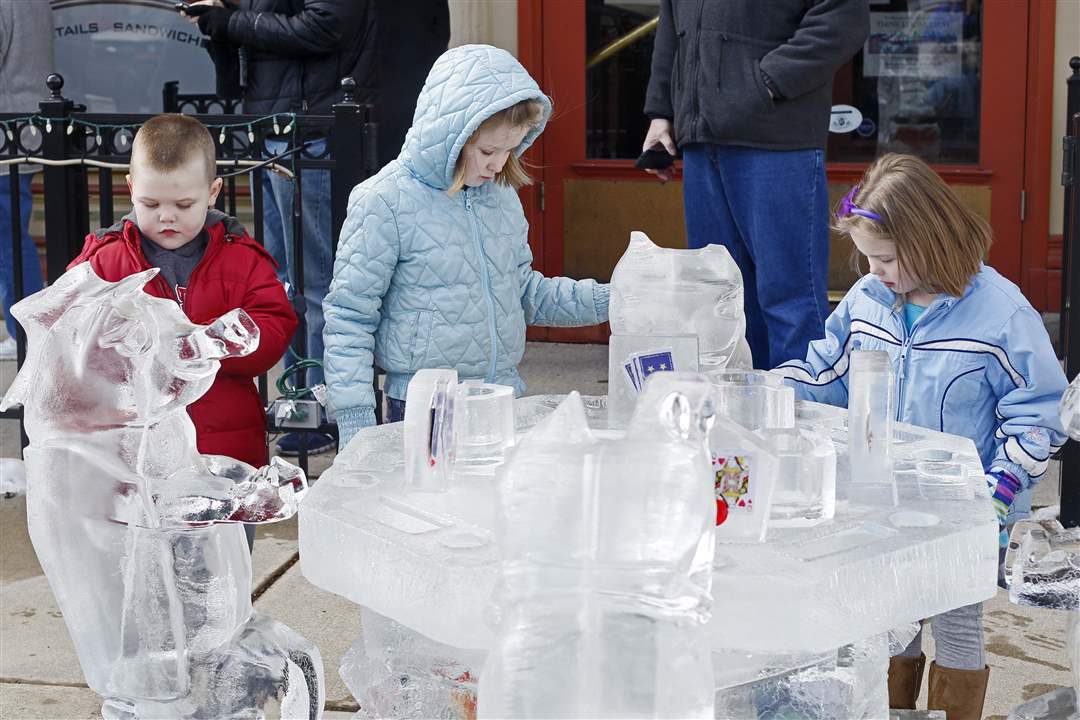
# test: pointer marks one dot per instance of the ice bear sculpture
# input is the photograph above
(667, 291)
(607, 548)
(137, 533)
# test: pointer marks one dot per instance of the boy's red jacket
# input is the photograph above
(235, 272)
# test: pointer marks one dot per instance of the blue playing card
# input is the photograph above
(655, 362)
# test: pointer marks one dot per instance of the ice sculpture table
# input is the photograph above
(429, 561)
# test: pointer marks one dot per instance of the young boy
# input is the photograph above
(209, 265)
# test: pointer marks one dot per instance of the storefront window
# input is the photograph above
(915, 84)
(615, 122)
(914, 87)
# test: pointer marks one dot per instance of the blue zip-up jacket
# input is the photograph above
(425, 280)
(980, 366)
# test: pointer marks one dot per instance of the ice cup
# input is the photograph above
(483, 427)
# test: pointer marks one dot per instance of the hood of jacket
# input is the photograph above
(465, 87)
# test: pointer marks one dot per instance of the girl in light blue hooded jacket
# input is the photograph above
(971, 357)
(433, 268)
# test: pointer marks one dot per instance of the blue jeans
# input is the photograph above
(31, 267)
(318, 243)
(770, 209)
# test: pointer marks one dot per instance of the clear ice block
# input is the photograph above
(1070, 409)
(429, 424)
(745, 470)
(870, 417)
(755, 399)
(805, 491)
(606, 565)
(137, 533)
(627, 373)
(667, 291)
(483, 427)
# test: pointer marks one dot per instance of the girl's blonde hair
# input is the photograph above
(940, 243)
(528, 114)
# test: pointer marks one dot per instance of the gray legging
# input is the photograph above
(958, 639)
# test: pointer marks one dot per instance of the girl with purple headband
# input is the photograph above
(971, 358)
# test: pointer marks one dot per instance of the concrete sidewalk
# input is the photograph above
(40, 676)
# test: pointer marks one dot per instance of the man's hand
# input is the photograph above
(660, 133)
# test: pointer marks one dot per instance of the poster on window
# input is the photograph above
(115, 55)
(923, 44)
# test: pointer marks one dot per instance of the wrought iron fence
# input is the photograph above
(74, 146)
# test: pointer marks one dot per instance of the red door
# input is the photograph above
(979, 149)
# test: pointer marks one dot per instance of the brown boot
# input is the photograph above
(905, 679)
(960, 693)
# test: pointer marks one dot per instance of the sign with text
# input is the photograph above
(115, 55)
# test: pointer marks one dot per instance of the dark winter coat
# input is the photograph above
(297, 52)
(710, 55)
(235, 272)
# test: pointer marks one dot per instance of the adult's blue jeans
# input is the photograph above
(769, 208)
(318, 242)
(31, 267)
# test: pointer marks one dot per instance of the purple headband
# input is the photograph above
(848, 207)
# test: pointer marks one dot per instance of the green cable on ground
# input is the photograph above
(294, 393)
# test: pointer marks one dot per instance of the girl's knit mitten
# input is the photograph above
(1003, 490)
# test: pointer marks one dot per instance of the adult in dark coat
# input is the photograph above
(411, 35)
(744, 88)
(289, 56)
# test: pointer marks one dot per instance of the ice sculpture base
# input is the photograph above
(430, 562)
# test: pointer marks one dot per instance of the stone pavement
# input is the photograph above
(40, 676)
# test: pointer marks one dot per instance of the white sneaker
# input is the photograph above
(7, 348)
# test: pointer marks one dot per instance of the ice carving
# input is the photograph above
(805, 491)
(667, 291)
(870, 417)
(745, 470)
(634, 358)
(394, 672)
(1070, 409)
(755, 399)
(483, 427)
(453, 429)
(848, 682)
(429, 562)
(606, 565)
(137, 533)
(429, 419)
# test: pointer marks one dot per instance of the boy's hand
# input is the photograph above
(660, 133)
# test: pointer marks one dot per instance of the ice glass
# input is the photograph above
(483, 427)
(429, 418)
(805, 491)
(755, 399)
(870, 416)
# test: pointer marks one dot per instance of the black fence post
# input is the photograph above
(67, 211)
(1070, 285)
(353, 161)
(170, 100)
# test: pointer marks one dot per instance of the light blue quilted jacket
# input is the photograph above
(424, 280)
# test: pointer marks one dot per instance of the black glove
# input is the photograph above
(215, 23)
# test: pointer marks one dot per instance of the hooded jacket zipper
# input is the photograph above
(485, 281)
(905, 346)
